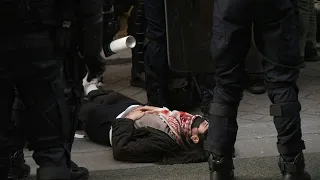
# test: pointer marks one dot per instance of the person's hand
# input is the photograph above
(147, 108)
(135, 114)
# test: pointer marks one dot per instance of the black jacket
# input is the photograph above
(143, 145)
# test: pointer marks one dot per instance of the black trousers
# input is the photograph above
(275, 25)
(99, 110)
(28, 63)
(155, 53)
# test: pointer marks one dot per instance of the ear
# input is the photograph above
(195, 139)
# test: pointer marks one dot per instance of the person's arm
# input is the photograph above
(90, 17)
(136, 145)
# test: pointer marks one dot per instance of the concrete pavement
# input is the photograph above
(263, 168)
(256, 148)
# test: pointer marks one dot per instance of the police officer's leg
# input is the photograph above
(6, 93)
(230, 44)
(48, 124)
(137, 27)
(304, 22)
(18, 168)
(276, 38)
(156, 53)
(74, 72)
(311, 53)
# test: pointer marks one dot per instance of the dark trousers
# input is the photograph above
(253, 63)
(307, 28)
(28, 63)
(156, 52)
(275, 24)
(99, 110)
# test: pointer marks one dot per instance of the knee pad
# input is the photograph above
(289, 109)
(286, 117)
(223, 110)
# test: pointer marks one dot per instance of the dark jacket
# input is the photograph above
(143, 145)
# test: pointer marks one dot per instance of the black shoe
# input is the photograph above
(18, 168)
(221, 168)
(311, 53)
(256, 84)
(293, 168)
(78, 173)
(156, 93)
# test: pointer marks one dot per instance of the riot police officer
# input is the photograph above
(275, 34)
(29, 63)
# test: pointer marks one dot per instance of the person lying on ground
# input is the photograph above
(141, 134)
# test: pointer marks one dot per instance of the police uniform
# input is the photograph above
(28, 61)
(275, 34)
(157, 69)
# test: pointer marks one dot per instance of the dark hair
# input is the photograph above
(191, 153)
(196, 123)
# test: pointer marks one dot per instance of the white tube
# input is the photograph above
(122, 44)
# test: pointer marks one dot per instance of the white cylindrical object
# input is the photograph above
(122, 44)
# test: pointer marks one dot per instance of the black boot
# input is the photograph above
(18, 168)
(156, 93)
(293, 168)
(78, 173)
(221, 168)
(256, 84)
(311, 53)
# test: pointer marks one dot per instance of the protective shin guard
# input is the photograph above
(221, 161)
(295, 169)
(290, 145)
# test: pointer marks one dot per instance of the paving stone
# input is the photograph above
(310, 72)
(304, 93)
(314, 96)
(308, 103)
(123, 83)
(248, 107)
(314, 111)
(266, 118)
(305, 79)
(114, 87)
(244, 121)
(131, 91)
(259, 102)
(252, 116)
(263, 110)
(241, 113)
(141, 97)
